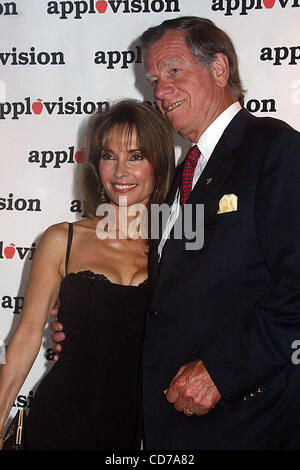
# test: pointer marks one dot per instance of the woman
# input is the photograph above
(90, 399)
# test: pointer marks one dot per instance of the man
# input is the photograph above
(217, 370)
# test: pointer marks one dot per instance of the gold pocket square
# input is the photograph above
(228, 203)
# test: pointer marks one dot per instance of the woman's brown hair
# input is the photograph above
(154, 138)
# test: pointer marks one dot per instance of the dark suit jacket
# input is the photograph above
(235, 303)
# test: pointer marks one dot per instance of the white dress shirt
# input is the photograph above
(206, 145)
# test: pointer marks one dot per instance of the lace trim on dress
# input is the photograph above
(87, 274)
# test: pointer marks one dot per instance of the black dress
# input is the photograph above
(91, 398)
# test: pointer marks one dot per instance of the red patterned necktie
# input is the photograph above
(188, 173)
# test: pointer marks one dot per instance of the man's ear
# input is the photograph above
(220, 69)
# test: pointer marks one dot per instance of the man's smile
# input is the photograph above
(167, 109)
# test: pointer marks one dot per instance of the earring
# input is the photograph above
(102, 196)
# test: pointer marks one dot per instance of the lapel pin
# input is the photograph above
(209, 180)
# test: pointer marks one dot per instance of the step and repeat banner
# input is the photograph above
(62, 60)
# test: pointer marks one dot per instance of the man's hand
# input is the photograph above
(58, 334)
(192, 390)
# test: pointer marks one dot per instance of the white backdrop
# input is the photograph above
(61, 60)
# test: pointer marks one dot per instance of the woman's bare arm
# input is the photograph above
(42, 291)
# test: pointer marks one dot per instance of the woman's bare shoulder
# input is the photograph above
(87, 223)
(54, 239)
(57, 232)
(52, 248)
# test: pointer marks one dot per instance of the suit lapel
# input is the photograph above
(153, 263)
(205, 192)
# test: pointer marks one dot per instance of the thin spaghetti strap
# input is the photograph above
(70, 238)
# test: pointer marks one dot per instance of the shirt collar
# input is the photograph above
(213, 133)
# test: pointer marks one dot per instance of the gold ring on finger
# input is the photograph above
(187, 412)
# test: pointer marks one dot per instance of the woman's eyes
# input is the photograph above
(134, 157)
(106, 156)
